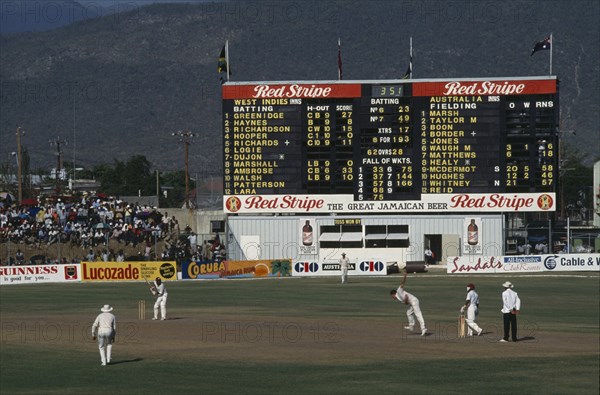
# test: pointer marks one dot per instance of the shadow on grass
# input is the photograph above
(522, 339)
(126, 361)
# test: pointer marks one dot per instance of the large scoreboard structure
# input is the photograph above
(461, 145)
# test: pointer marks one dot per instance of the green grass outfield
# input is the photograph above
(44, 349)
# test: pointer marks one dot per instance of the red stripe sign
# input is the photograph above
(291, 91)
(484, 88)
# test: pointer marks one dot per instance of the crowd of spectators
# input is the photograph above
(90, 222)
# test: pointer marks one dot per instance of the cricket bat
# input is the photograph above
(152, 287)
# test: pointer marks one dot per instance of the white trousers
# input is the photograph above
(344, 274)
(472, 312)
(415, 311)
(105, 340)
(161, 302)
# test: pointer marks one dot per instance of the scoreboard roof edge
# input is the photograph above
(395, 81)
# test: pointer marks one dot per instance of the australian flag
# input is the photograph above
(541, 45)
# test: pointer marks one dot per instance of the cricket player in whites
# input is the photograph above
(472, 308)
(414, 310)
(105, 328)
(161, 299)
(344, 262)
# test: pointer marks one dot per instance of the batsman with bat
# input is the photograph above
(160, 291)
(471, 308)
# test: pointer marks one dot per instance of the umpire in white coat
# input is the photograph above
(511, 305)
(105, 329)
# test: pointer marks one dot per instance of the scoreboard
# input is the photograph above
(460, 145)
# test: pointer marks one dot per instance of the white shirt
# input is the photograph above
(161, 290)
(104, 323)
(402, 295)
(510, 301)
(473, 298)
(344, 263)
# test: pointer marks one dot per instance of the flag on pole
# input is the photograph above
(408, 73)
(339, 60)
(223, 64)
(542, 45)
(409, 70)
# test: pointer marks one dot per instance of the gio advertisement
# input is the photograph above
(362, 268)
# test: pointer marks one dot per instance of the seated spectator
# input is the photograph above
(20, 257)
(42, 235)
(99, 238)
(539, 247)
(53, 236)
(72, 215)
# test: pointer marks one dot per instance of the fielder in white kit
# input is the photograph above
(414, 310)
(472, 308)
(344, 263)
(105, 329)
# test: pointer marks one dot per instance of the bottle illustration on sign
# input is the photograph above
(307, 234)
(472, 233)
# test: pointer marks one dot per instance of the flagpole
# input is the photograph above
(551, 49)
(339, 59)
(411, 66)
(227, 58)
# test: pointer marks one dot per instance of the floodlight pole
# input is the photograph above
(57, 142)
(186, 136)
(20, 132)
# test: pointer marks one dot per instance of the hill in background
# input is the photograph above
(118, 85)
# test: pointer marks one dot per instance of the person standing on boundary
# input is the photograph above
(472, 309)
(161, 299)
(105, 329)
(344, 263)
(414, 310)
(511, 305)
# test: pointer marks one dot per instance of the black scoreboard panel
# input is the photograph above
(399, 141)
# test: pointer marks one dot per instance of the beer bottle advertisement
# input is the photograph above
(307, 241)
(472, 236)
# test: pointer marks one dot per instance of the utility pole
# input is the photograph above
(20, 132)
(157, 189)
(562, 169)
(185, 138)
(57, 142)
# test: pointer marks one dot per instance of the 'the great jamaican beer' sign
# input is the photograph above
(391, 146)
